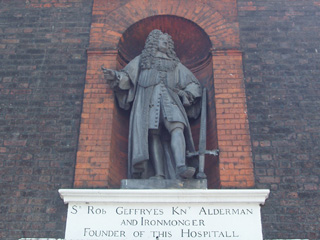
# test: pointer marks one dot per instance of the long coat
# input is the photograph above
(142, 84)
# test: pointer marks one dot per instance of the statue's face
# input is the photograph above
(163, 43)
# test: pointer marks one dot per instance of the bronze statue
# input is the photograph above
(162, 94)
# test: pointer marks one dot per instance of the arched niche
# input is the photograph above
(193, 47)
(102, 149)
(192, 44)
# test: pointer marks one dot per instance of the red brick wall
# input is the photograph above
(101, 158)
(96, 130)
(232, 121)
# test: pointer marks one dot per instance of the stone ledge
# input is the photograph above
(164, 195)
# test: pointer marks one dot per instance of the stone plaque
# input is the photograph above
(164, 214)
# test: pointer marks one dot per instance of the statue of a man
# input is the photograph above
(162, 94)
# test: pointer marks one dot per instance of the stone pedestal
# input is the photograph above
(164, 184)
(163, 214)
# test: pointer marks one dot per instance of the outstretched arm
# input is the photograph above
(116, 79)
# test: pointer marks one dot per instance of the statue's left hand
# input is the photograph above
(187, 98)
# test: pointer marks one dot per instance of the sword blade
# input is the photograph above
(203, 133)
(203, 123)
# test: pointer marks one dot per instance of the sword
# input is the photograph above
(203, 139)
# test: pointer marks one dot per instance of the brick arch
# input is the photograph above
(223, 34)
(192, 45)
(102, 149)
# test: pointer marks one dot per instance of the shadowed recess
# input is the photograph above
(192, 44)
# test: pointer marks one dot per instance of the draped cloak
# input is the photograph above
(138, 96)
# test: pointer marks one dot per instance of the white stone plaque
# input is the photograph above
(164, 214)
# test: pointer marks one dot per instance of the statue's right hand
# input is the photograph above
(109, 74)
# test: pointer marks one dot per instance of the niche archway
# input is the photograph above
(192, 46)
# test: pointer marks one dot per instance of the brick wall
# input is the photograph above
(280, 40)
(42, 79)
(42, 71)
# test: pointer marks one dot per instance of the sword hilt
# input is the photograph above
(214, 152)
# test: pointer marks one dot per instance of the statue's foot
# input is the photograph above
(157, 177)
(201, 175)
(185, 172)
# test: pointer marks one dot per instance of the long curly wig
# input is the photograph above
(148, 59)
